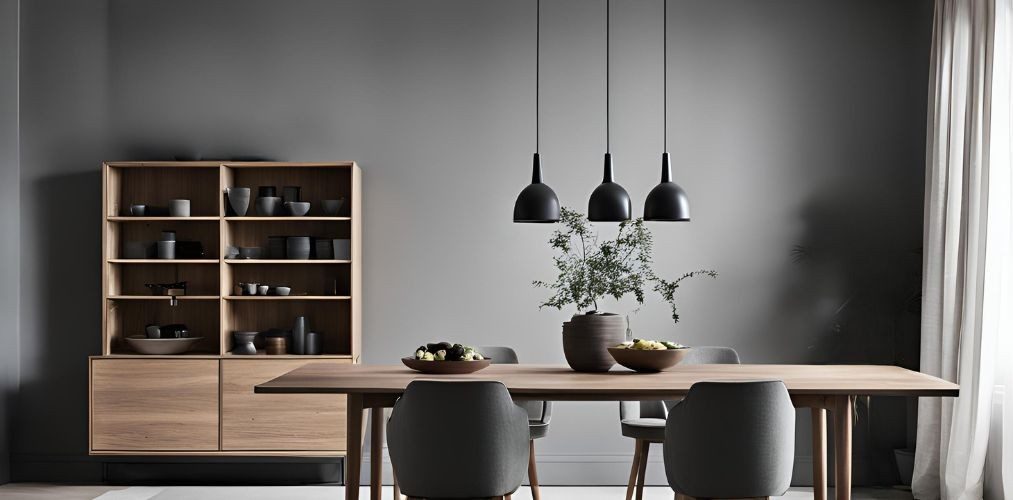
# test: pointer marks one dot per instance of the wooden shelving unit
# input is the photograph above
(127, 388)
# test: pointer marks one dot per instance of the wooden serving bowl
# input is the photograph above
(446, 367)
(648, 361)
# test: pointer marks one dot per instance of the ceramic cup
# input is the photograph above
(166, 249)
(333, 207)
(297, 208)
(179, 208)
(268, 206)
(138, 210)
(249, 288)
(262, 289)
(282, 290)
(153, 332)
(239, 200)
(297, 247)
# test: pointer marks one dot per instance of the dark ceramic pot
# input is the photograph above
(587, 337)
(297, 247)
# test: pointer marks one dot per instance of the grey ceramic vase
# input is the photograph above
(297, 247)
(244, 343)
(299, 336)
(268, 206)
(239, 200)
(587, 337)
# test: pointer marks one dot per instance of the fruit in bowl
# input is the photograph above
(650, 345)
(445, 351)
(648, 355)
(446, 358)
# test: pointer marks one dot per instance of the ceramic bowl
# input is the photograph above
(144, 345)
(333, 207)
(249, 252)
(446, 367)
(297, 208)
(648, 361)
(282, 290)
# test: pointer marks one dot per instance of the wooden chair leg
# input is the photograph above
(643, 469)
(633, 470)
(533, 471)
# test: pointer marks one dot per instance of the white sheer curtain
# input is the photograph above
(968, 290)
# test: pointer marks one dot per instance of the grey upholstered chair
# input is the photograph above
(731, 440)
(458, 440)
(645, 421)
(539, 412)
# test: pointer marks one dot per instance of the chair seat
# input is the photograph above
(651, 429)
(538, 429)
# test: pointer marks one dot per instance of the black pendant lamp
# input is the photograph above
(609, 202)
(537, 202)
(667, 201)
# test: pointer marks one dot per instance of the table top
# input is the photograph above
(562, 383)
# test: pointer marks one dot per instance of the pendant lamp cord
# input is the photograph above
(664, 77)
(608, 36)
(538, 69)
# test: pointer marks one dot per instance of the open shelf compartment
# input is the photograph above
(129, 317)
(154, 185)
(331, 319)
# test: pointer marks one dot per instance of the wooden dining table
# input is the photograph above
(821, 388)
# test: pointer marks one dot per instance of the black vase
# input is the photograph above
(299, 336)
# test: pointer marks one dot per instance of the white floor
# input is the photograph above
(25, 491)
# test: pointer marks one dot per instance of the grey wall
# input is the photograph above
(9, 197)
(794, 123)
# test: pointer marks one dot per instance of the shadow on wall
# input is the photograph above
(859, 257)
(54, 385)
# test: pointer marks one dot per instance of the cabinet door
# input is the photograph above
(154, 405)
(278, 422)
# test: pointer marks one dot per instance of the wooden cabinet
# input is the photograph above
(277, 422)
(201, 402)
(154, 405)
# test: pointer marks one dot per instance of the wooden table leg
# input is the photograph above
(376, 454)
(353, 440)
(819, 431)
(842, 446)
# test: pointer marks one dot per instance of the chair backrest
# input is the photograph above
(707, 355)
(731, 440)
(500, 355)
(538, 411)
(710, 355)
(462, 439)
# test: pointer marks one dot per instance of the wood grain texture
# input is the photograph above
(154, 405)
(561, 383)
(819, 437)
(274, 422)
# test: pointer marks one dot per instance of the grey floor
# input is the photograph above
(27, 491)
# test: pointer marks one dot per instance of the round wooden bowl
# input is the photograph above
(446, 367)
(648, 361)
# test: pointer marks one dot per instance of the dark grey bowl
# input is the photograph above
(297, 208)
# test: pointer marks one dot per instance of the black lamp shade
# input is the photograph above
(537, 203)
(667, 201)
(609, 202)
